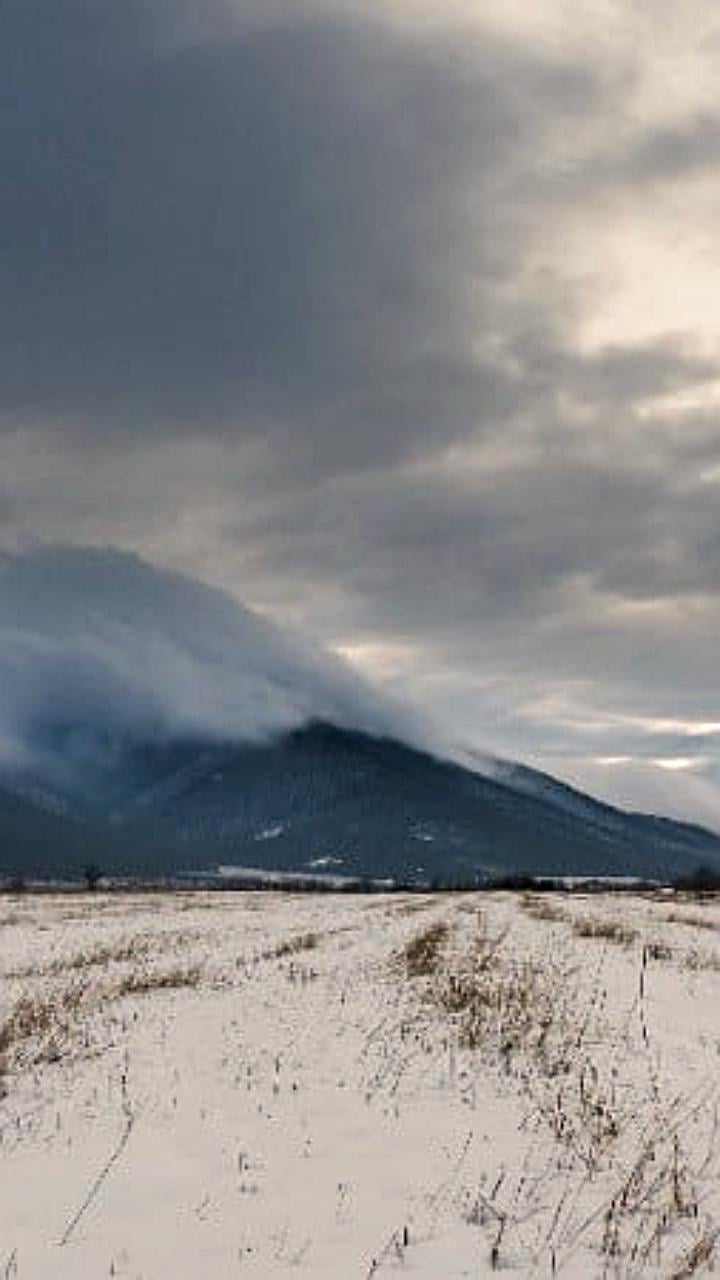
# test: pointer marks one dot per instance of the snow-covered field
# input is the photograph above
(241, 1084)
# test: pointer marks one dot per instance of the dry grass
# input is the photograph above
(543, 909)
(493, 1000)
(701, 1254)
(43, 1028)
(128, 951)
(293, 946)
(421, 956)
(658, 951)
(616, 931)
(530, 1011)
(658, 1193)
(486, 997)
(549, 912)
(701, 962)
(44, 1022)
(11, 918)
(693, 921)
(413, 908)
(522, 1015)
(163, 980)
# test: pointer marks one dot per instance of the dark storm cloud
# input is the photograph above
(8, 510)
(432, 543)
(272, 231)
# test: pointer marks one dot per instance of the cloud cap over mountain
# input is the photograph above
(98, 642)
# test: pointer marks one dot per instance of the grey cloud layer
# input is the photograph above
(261, 233)
(277, 308)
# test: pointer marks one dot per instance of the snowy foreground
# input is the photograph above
(268, 1084)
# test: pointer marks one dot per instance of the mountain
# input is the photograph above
(319, 799)
(152, 723)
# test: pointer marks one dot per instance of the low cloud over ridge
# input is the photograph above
(100, 642)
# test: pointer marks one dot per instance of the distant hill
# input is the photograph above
(324, 799)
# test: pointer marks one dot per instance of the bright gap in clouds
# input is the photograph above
(675, 763)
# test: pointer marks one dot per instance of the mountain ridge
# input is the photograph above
(368, 805)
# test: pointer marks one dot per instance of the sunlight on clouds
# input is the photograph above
(636, 782)
(661, 276)
(381, 659)
(673, 763)
(662, 725)
(639, 249)
(710, 475)
(677, 762)
(562, 710)
(689, 400)
(664, 59)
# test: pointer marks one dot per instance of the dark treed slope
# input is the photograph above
(326, 799)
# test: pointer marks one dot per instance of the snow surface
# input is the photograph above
(263, 1084)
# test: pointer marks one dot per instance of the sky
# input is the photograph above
(400, 322)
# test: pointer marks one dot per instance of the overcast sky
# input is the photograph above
(399, 320)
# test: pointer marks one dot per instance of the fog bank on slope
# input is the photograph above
(97, 644)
